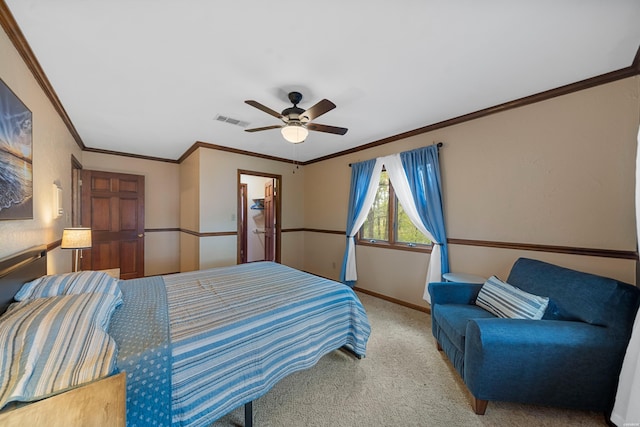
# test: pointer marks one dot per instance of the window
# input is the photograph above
(388, 225)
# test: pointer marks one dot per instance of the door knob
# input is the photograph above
(140, 235)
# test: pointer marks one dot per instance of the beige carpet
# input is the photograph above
(403, 381)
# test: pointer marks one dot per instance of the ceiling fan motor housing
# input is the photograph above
(293, 113)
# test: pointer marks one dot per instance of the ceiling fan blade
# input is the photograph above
(263, 128)
(326, 128)
(267, 110)
(319, 109)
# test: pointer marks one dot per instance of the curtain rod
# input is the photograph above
(439, 144)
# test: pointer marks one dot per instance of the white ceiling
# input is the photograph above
(148, 77)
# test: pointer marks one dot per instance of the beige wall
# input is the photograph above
(53, 146)
(189, 199)
(161, 206)
(216, 173)
(558, 172)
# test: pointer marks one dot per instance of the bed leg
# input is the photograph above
(248, 414)
(351, 352)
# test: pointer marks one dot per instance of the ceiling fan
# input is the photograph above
(297, 122)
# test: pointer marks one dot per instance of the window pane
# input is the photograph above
(407, 232)
(376, 226)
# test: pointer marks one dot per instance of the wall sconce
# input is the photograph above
(77, 238)
(57, 201)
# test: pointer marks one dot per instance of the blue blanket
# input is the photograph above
(229, 336)
(141, 329)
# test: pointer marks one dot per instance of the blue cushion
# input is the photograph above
(555, 311)
(453, 318)
(582, 296)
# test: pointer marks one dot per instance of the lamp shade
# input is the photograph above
(76, 238)
(294, 132)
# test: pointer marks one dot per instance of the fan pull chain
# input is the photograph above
(295, 158)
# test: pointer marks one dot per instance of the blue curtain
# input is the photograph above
(360, 179)
(422, 167)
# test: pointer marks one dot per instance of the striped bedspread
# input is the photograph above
(236, 331)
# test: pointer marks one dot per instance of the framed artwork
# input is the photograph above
(16, 164)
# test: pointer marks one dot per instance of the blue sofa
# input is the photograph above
(571, 357)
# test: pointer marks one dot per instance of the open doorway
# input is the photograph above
(259, 213)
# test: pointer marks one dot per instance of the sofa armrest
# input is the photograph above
(453, 292)
(542, 361)
(495, 333)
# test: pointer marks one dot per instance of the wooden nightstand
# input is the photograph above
(113, 272)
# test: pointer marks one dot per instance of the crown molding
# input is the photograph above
(10, 26)
(135, 156)
(630, 71)
(200, 144)
(636, 62)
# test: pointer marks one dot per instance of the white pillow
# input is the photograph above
(70, 283)
(505, 300)
(51, 344)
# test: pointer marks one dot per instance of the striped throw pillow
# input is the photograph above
(52, 344)
(70, 283)
(505, 300)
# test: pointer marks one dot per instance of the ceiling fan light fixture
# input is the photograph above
(294, 132)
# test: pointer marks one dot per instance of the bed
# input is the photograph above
(197, 345)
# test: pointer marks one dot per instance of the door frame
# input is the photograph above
(76, 192)
(278, 204)
(242, 223)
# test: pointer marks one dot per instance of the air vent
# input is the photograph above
(231, 121)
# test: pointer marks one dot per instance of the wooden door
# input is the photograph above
(113, 206)
(269, 222)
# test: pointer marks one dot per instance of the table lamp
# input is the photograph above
(77, 238)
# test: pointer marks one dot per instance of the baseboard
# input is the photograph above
(394, 300)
